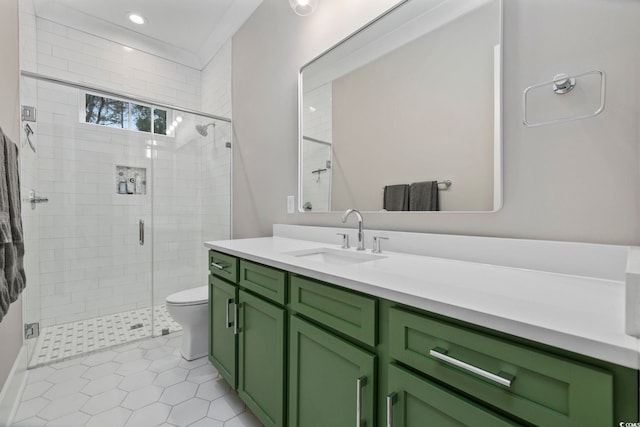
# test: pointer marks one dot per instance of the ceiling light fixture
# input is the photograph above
(136, 19)
(303, 7)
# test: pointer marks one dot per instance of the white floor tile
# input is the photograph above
(75, 419)
(102, 384)
(36, 389)
(213, 389)
(31, 422)
(63, 406)
(89, 392)
(116, 417)
(104, 401)
(137, 380)
(142, 397)
(178, 393)
(188, 412)
(101, 370)
(207, 422)
(202, 374)
(169, 378)
(58, 391)
(60, 342)
(31, 408)
(226, 407)
(149, 416)
(246, 419)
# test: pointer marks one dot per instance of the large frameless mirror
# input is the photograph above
(405, 114)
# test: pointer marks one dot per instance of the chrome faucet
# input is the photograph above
(360, 225)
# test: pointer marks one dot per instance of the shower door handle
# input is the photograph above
(141, 232)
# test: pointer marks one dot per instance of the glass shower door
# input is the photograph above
(93, 248)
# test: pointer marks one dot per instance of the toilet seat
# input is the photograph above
(195, 296)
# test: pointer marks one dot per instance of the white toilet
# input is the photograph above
(190, 309)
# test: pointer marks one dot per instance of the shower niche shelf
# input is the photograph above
(131, 180)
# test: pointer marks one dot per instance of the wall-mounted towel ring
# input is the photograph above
(561, 84)
(29, 131)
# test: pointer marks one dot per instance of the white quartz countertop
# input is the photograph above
(585, 315)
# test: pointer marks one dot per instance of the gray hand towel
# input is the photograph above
(396, 197)
(12, 279)
(423, 196)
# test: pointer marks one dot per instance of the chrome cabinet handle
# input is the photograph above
(218, 266)
(229, 302)
(440, 354)
(360, 383)
(236, 319)
(141, 232)
(391, 399)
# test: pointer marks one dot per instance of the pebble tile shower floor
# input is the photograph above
(60, 342)
(142, 384)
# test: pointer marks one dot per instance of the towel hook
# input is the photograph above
(29, 131)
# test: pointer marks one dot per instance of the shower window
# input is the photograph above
(116, 113)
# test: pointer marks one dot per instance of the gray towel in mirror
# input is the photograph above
(396, 197)
(423, 196)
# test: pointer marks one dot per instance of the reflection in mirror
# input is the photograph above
(404, 105)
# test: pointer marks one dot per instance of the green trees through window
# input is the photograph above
(125, 115)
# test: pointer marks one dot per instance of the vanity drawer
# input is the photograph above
(266, 281)
(545, 389)
(352, 314)
(223, 265)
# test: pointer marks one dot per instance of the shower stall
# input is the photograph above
(119, 195)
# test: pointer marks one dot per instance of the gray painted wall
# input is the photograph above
(11, 325)
(576, 181)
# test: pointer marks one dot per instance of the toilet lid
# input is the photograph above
(192, 296)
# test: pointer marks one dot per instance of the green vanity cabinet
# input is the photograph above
(222, 337)
(247, 334)
(305, 353)
(261, 358)
(413, 401)
(535, 386)
(331, 381)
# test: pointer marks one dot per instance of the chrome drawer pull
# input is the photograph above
(440, 354)
(391, 399)
(218, 266)
(360, 383)
(229, 302)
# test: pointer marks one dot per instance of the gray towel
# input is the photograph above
(12, 279)
(423, 196)
(396, 197)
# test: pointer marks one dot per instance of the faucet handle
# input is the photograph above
(345, 240)
(376, 244)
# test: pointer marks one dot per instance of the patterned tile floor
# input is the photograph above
(142, 384)
(59, 342)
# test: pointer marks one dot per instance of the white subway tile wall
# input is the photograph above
(317, 124)
(73, 55)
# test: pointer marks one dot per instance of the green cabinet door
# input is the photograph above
(412, 401)
(223, 342)
(326, 376)
(261, 358)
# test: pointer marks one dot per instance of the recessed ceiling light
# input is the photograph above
(136, 19)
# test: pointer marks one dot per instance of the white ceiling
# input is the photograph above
(186, 31)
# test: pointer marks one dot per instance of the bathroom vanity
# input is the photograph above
(457, 330)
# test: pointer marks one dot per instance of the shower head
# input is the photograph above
(202, 129)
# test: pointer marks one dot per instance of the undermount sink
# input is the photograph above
(335, 256)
